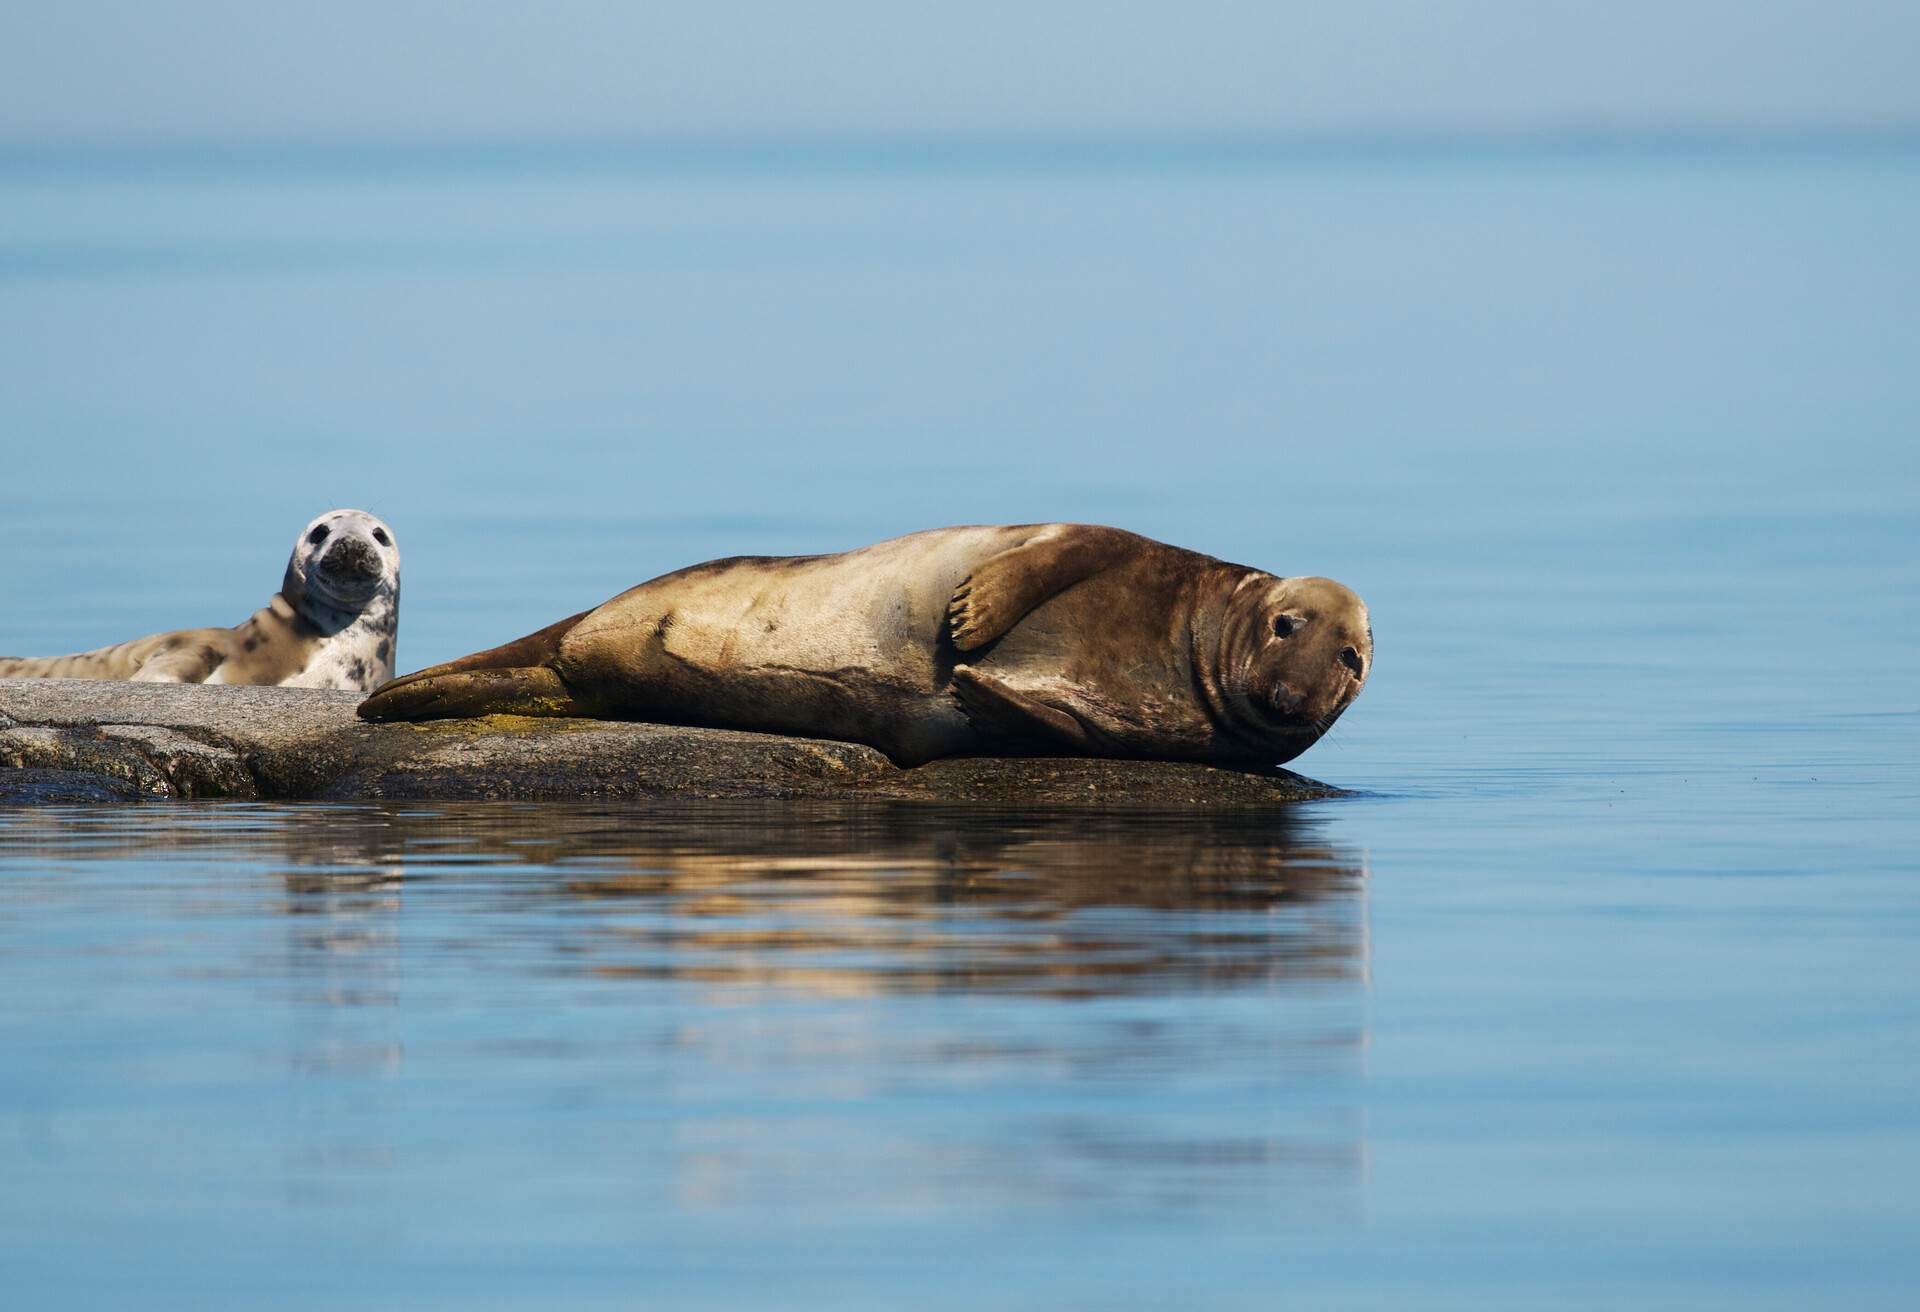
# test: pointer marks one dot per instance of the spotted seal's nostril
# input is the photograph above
(1351, 659)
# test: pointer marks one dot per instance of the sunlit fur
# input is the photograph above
(1074, 639)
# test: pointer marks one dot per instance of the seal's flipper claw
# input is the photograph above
(970, 621)
(997, 711)
(460, 694)
(1004, 589)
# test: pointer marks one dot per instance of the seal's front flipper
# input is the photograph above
(442, 694)
(1005, 588)
(191, 663)
(997, 711)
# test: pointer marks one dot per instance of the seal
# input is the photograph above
(1062, 638)
(333, 624)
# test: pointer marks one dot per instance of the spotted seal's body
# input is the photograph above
(1067, 637)
(333, 624)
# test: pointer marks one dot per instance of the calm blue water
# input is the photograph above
(1606, 991)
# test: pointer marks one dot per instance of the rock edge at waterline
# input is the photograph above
(81, 740)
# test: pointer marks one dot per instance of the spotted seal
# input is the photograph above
(333, 624)
(1068, 638)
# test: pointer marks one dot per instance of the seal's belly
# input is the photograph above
(877, 612)
(816, 647)
(845, 646)
(830, 626)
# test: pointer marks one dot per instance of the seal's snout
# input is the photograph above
(351, 559)
(1288, 709)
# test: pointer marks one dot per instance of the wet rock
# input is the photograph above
(170, 740)
(30, 787)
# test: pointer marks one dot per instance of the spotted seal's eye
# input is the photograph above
(380, 536)
(1284, 625)
(318, 535)
(1351, 659)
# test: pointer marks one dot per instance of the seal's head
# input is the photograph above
(1293, 654)
(345, 564)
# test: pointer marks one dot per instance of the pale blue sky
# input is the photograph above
(430, 70)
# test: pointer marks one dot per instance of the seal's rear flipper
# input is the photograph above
(1004, 589)
(446, 694)
(535, 649)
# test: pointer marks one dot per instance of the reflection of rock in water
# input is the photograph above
(1152, 1010)
(890, 902)
(829, 898)
(850, 900)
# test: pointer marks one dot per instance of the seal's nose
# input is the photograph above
(1286, 700)
(351, 557)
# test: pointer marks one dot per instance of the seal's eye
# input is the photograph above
(1284, 625)
(380, 536)
(318, 535)
(1351, 659)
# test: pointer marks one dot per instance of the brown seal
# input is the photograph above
(1068, 638)
(333, 624)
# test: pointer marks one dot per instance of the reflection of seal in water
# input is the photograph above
(333, 624)
(1069, 637)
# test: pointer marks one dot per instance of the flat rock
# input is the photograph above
(60, 738)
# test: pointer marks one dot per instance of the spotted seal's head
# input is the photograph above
(1290, 656)
(345, 564)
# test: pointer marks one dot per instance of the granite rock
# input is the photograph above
(60, 738)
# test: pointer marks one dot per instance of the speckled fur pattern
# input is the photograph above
(333, 624)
